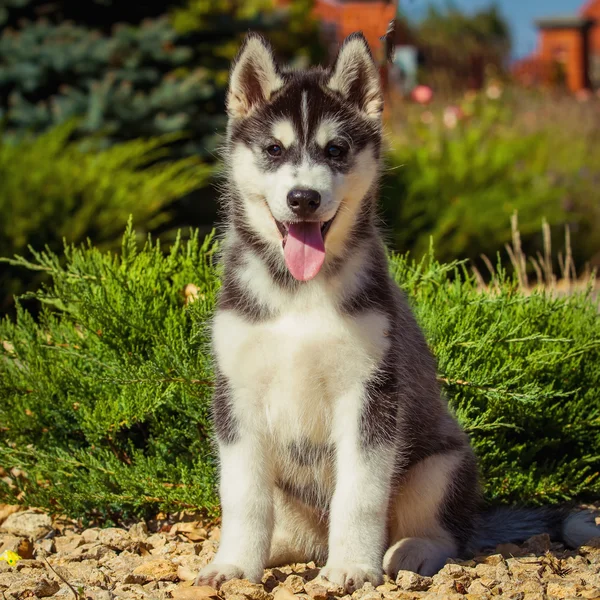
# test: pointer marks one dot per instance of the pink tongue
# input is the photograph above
(304, 250)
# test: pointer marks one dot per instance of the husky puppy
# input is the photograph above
(335, 443)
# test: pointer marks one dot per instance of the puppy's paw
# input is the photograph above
(352, 577)
(215, 574)
(420, 555)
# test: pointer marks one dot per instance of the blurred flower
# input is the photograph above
(470, 95)
(583, 95)
(452, 115)
(494, 91)
(422, 94)
(427, 117)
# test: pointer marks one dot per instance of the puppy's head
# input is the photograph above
(302, 150)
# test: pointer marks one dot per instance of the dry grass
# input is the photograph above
(543, 277)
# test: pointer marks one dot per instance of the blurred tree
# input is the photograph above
(53, 189)
(457, 47)
(129, 77)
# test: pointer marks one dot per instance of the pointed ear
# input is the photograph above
(254, 77)
(355, 76)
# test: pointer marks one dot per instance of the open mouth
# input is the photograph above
(285, 227)
(304, 246)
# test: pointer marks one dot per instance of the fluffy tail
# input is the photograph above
(505, 525)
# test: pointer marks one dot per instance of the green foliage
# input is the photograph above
(130, 80)
(52, 189)
(484, 31)
(457, 48)
(104, 399)
(115, 416)
(137, 82)
(520, 372)
(459, 181)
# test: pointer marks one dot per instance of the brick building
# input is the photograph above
(340, 18)
(568, 51)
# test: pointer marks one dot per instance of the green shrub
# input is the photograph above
(104, 399)
(460, 184)
(52, 189)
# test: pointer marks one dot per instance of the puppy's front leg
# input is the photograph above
(246, 490)
(359, 508)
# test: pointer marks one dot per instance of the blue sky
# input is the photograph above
(520, 15)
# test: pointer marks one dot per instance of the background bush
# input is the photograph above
(457, 170)
(54, 189)
(105, 397)
(129, 75)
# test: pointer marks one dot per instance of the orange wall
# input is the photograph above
(592, 10)
(372, 18)
(571, 41)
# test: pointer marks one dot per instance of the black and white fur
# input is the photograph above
(335, 443)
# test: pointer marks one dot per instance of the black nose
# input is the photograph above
(303, 202)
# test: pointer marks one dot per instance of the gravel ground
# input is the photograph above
(159, 560)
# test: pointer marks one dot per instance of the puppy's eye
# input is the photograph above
(274, 150)
(334, 151)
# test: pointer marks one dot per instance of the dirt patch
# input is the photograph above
(159, 560)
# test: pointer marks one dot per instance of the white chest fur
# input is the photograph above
(288, 371)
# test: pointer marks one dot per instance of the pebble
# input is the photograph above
(29, 523)
(159, 560)
(157, 570)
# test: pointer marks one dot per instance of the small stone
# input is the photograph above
(8, 509)
(82, 573)
(99, 594)
(283, 593)
(315, 590)
(242, 587)
(201, 592)
(89, 552)
(537, 544)
(28, 523)
(483, 570)
(132, 592)
(45, 547)
(21, 545)
(29, 564)
(191, 530)
(562, 589)
(508, 550)
(412, 582)
(501, 572)
(91, 535)
(151, 587)
(453, 570)
(157, 570)
(295, 583)
(478, 588)
(531, 586)
(68, 543)
(42, 587)
(121, 567)
(139, 532)
(368, 595)
(156, 540)
(115, 538)
(493, 559)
